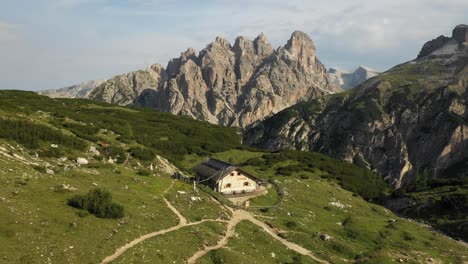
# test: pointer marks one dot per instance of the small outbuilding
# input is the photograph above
(225, 178)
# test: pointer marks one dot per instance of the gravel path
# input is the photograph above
(237, 217)
(241, 215)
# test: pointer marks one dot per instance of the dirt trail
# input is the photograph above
(241, 215)
(182, 220)
(133, 243)
(182, 223)
(230, 232)
(237, 217)
(285, 242)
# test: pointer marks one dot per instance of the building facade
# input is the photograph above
(225, 178)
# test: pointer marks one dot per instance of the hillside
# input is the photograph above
(231, 85)
(408, 121)
(43, 139)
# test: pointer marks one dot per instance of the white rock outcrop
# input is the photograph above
(82, 161)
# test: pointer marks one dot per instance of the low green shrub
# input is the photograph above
(142, 153)
(115, 152)
(50, 153)
(97, 202)
(144, 172)
(291, 224)
(40, 169)
(31, 135)
(359, 180)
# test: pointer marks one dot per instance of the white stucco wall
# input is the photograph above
(236, 182)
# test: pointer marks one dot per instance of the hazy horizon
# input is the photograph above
(58, 43)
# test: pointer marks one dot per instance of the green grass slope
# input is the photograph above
(315, 204)
(321, 195)
(32, 119)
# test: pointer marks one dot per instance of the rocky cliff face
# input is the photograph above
(348, 80)
(132, 88)
(81, 90)
(232, 85)
(409, 120)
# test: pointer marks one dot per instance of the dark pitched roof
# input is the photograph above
(216, 169)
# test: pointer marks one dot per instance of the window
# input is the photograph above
(228, 185)
(232, 173)
(246, 183)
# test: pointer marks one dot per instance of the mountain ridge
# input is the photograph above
(408, 121)
(231, 85)
(81, 90)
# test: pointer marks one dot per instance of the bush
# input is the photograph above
(116, 152)
(408, 236)
(51, 153)
(40, 169)
(163, 133)
(87, 132)
(143, 172)
(291, 224)
(142, 154)
(341, 248)
(290, 169)
(97, 202)
(359, 180)
(30, 134)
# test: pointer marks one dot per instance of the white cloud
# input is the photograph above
(72, 40)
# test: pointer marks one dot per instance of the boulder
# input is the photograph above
(94, 151)
(325, 237)
(82, 161)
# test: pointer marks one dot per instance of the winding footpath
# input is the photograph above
(241, 215)
(237, 217)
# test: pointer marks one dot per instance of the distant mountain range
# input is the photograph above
(82, 90)
(409, 122)
(348, 80)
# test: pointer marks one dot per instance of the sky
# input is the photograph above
(47, 44)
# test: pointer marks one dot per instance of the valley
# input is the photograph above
(324, 216)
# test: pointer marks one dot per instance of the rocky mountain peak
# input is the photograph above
(190, 53)
(363, 69)
(262, 37)
(300, 51)
(348, 80)
(460, 34)
(223, 42)
(446, 46)
(242, 43)
(232, 85)
(299, 40)
(173, 66)
(262, 45)
(155, 67)
(156, 70)
(401, 131)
